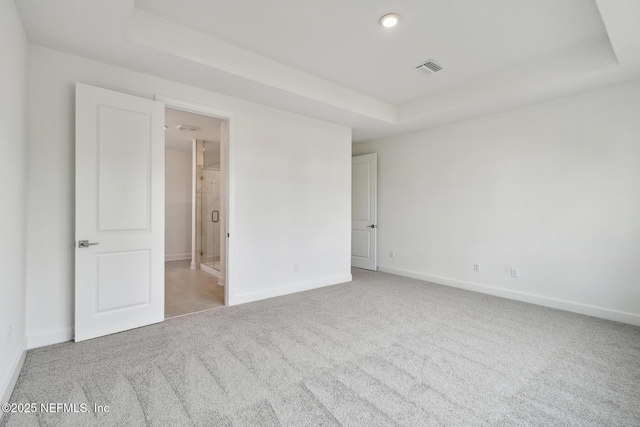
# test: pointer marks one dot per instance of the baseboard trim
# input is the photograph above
(55, 337)
(212, 271)
(289, 289)
(177, 257)
(574, 307)
(13, 379)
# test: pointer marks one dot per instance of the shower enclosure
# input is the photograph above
(211, 206)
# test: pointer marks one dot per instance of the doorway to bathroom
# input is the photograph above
(195, 212)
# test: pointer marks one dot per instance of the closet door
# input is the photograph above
(364, 214)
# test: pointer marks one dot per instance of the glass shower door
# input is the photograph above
(210, 205)
(211, 218)
(215, 219)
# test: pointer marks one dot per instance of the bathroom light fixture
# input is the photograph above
(389, 20)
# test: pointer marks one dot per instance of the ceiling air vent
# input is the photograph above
(429, 67)
(188, 128)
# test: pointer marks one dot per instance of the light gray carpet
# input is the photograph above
(382, 350)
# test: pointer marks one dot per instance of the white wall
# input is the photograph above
(290, 191)
(178, 165)
(552, 189)
(13, 193)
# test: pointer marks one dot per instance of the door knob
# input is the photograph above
(86, 244)
(371, 226)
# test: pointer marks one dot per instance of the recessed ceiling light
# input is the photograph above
(389, 20)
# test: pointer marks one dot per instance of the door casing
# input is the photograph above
(226, 152)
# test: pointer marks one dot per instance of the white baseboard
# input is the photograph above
(575, 307)
(55, 337)
(211, 271)
(177, 257)
(289, 289)
(8, 387)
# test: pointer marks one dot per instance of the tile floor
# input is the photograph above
(188, 291)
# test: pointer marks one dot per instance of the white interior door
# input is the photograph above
(364, 216)
(119, 279)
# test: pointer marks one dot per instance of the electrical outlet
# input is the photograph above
(9, 334)
(392, 254)
(514, 272)
(476, 267)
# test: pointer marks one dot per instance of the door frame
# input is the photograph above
(205, 110)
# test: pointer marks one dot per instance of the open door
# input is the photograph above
(119, 262)
(364, 215)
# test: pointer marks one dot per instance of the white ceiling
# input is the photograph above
(331, 59)
(341, 41)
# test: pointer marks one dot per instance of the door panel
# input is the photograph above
(119, 211)
(361, 197)
(360, 243)
(122, 280)
(124, 183)
(364, 211)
